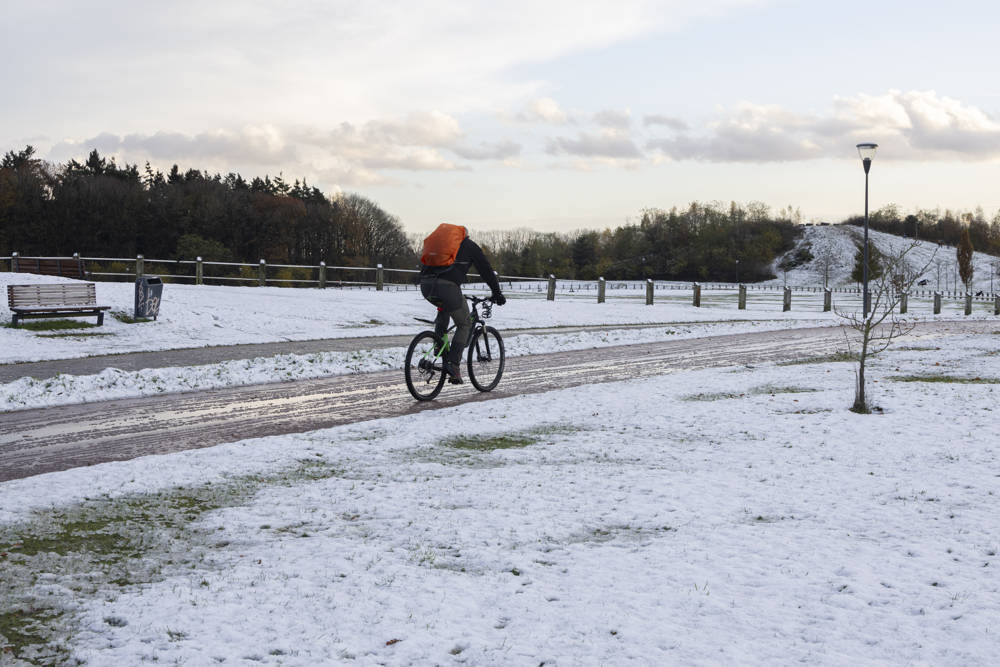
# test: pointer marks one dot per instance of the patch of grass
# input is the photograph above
(125, 318)
(489, 443)
(949, 379)
(763, 390)
(717, 396)
(917, 348)
(107, 543)
(516, 440)
(826, 359)
(23, 635)
(74, 335)
(52, 325)
(603, 534)
(772, 389)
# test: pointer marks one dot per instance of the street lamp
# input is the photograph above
(867, 152)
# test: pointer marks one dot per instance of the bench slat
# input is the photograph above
(52, 295)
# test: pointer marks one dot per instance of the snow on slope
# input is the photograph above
(833, 250)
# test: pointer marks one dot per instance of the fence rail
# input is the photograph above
(381, 278)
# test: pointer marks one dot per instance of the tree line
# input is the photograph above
(98, 208)
(943, 227)
(710, 241)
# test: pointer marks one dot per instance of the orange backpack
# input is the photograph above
(441, 247)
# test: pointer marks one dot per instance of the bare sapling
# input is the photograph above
(882, 325)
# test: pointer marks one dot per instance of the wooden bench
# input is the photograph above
(54, 300)
(66, 267)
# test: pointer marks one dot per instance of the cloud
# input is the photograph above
(607, 144)
(915, 125)
(500, 150)
(353, 154)
(543, 110)
(619, 120)
(668, 121)
(252, 144)
(197, 64)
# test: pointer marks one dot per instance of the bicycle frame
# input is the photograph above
(478, 324)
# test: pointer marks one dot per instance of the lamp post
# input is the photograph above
(867, 152)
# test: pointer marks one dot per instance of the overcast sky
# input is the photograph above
(548, 115)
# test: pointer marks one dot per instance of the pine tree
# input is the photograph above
(875, 263)
(964, 254)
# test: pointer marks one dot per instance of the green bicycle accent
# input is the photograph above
(424, 368)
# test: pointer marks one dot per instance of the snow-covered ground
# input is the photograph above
(834, 247)
(198, 316)
(732, 516)
(112, 383)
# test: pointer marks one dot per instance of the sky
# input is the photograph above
(553, 116)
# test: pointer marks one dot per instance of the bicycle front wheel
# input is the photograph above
(486, 359)
(423, 370)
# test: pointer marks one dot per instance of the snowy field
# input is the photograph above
(198, 316)
(113, 383)
(732, 516)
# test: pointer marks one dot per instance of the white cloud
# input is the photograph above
(501, 150)
(188, 64)
(915, 125)
(612, 118)
(543, 110)
(668, 121)
(606, 144)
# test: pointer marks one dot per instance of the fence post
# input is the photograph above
(649, 291)
(14, 263)
(696, 298)
(199, 273)
(379, 277)
(742, 303)
(937, 303)
(968, 303)
(600, 290)
(996, 304)
(827, 299)
(786, 304)
(551, 296)
(903, 299)
(139, 267)
(322, 275)
(262, 273)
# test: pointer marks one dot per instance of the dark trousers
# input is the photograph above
(447, 296)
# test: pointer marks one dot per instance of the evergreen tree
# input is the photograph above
(964, 254)
(875, 263)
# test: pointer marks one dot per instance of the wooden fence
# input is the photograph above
(377, 277)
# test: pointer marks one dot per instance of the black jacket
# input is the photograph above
(469, 253)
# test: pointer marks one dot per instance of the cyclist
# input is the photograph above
(448, 254)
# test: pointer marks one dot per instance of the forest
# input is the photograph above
(98, 208)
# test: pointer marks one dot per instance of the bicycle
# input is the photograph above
(424, 368)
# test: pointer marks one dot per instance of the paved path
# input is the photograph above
(197, 356)
(58, 438)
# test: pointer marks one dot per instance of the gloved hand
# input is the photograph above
(499, 299)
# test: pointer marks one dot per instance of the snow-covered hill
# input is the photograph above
(833, 249)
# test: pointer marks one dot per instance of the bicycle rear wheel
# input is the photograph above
(423, 370)
(486, 359)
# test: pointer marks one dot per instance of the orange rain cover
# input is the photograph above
(441, 247)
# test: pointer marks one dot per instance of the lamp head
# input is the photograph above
(867, 152)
